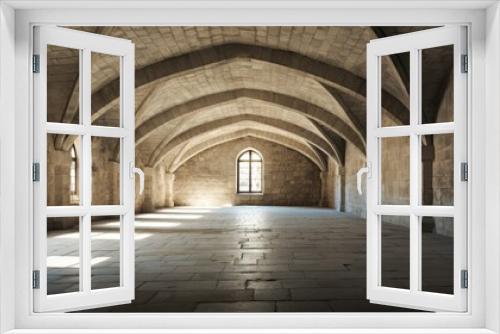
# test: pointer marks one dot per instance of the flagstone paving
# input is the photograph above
(245, 259)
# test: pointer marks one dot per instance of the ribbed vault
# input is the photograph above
(197, 85)
(294, 144)
(308, 136)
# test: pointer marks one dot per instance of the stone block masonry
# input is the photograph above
(209, 178)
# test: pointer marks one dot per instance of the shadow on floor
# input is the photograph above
(247, 259)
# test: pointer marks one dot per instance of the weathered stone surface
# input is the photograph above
(296, 94)
(210, 178)
(317, 262)
(311, 78)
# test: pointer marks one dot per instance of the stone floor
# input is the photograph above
(243, 259)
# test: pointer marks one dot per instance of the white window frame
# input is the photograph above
(414, 43)
(123, 49)
(16, 152)
(237, 173)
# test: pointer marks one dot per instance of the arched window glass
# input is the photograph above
(249, 172)
(73, 171)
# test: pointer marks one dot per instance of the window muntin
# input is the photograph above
(249, 172)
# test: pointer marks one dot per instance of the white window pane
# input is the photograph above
(63, 255)
(61, 175)
(395, 170)
(105, 248)
(105, 66)
(256, 156)
(437, 169)
(256, 177)
(395, 241)
(437, 254)
(244, 176)
(245, 156)
(435, 63)
(388, 85)
(63, 66)
(106, 171)
(244, 186)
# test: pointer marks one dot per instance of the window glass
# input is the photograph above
(395, 111)
(250, 172)
(63, 255)
(395, 239)
(62, 176)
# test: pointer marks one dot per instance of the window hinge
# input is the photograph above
(464, 279)
(465, 63)
(36, 172)
(36, 279)
(464, 171)
(36, 63)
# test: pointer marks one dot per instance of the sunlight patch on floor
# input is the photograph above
(181, 216)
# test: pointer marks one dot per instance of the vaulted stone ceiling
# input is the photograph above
(196, 87)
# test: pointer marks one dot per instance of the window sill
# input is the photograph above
(246, 331)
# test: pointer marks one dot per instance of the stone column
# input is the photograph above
(340, 200)
(428, 155)
(169, 182)
(323, 201)
(148, 203)
(116, 181)
(328, 190)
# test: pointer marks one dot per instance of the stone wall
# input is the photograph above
(290, 178)
(209, 178)
(157, 189)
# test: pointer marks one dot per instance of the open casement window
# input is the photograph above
(417, 172)
(74, 267)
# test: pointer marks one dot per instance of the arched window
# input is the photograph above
(249, 172)
(73, 172)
